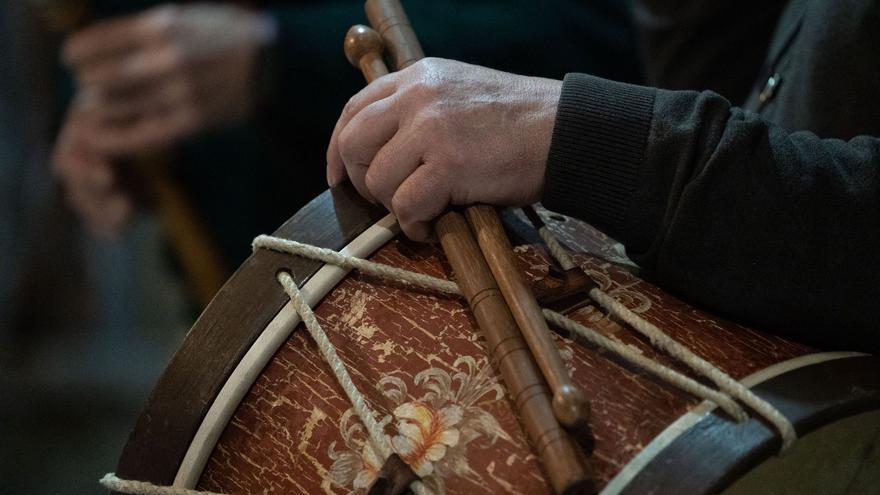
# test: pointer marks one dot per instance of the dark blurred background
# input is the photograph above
(95, 293)
(86, 322)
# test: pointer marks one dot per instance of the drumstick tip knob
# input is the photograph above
(362, 40)
(570, 407)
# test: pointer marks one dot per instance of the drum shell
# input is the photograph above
(278, 435)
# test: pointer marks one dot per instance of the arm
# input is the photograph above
(779, 228)
(775, 228)
(717, 45)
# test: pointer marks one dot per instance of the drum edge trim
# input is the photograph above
(695, 415)
(265, 346)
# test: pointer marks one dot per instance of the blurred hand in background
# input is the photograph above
(146, 81)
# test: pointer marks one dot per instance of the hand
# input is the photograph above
(89, 180)
(442, 132)
(150, 79)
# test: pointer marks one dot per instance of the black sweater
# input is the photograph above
(767, 212)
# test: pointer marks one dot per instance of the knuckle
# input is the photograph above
(375, 181)
(426, 122)
(431, 63)
(401, 205)
(425, 65)
(446, 161)
(414, 70)
(424, 88)
(346, 144)
(428, 75)
(372, 179)
(348, 110)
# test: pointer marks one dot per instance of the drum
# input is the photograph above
(247, 405)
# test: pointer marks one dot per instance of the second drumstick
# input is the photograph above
(556, 449)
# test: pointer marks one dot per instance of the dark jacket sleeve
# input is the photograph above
(717, 45)
(774, 228)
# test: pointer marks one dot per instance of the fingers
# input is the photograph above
(105, 214)
(377, 90)
(73, 160)
(105, 110)
(89, 181)
(363, 137)
(130, 82)
(135, 70)
(117, 36)
(154, 78)
(421, 198)
(395, 175)
(396, 161)
(157, 129)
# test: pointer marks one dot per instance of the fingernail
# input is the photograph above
(332, 179)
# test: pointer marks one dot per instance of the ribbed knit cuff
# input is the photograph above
(597, 150)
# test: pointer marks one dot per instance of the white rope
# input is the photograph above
(635, 357)
(730, 388)
(628, 353)
(350, 262)
(700, 365)
(675, 349)
(374, 430)
(556, 250)
(113, 483)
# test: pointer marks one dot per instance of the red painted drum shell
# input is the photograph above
(423, 367)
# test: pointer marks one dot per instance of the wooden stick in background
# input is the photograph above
(203, 266)
(556, 450)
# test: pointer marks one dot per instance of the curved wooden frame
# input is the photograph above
(841, 385)
(227, 329)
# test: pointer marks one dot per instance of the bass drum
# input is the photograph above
(248, 405)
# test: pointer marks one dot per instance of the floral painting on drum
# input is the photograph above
(432, 431)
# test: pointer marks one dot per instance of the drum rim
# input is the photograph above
(223, 333)
(276, 333)
(844, 384)
(165, 429)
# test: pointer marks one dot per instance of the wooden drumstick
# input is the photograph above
(557, 451)
(569, 404)
(363, 49)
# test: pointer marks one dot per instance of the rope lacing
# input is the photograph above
(730, 389)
